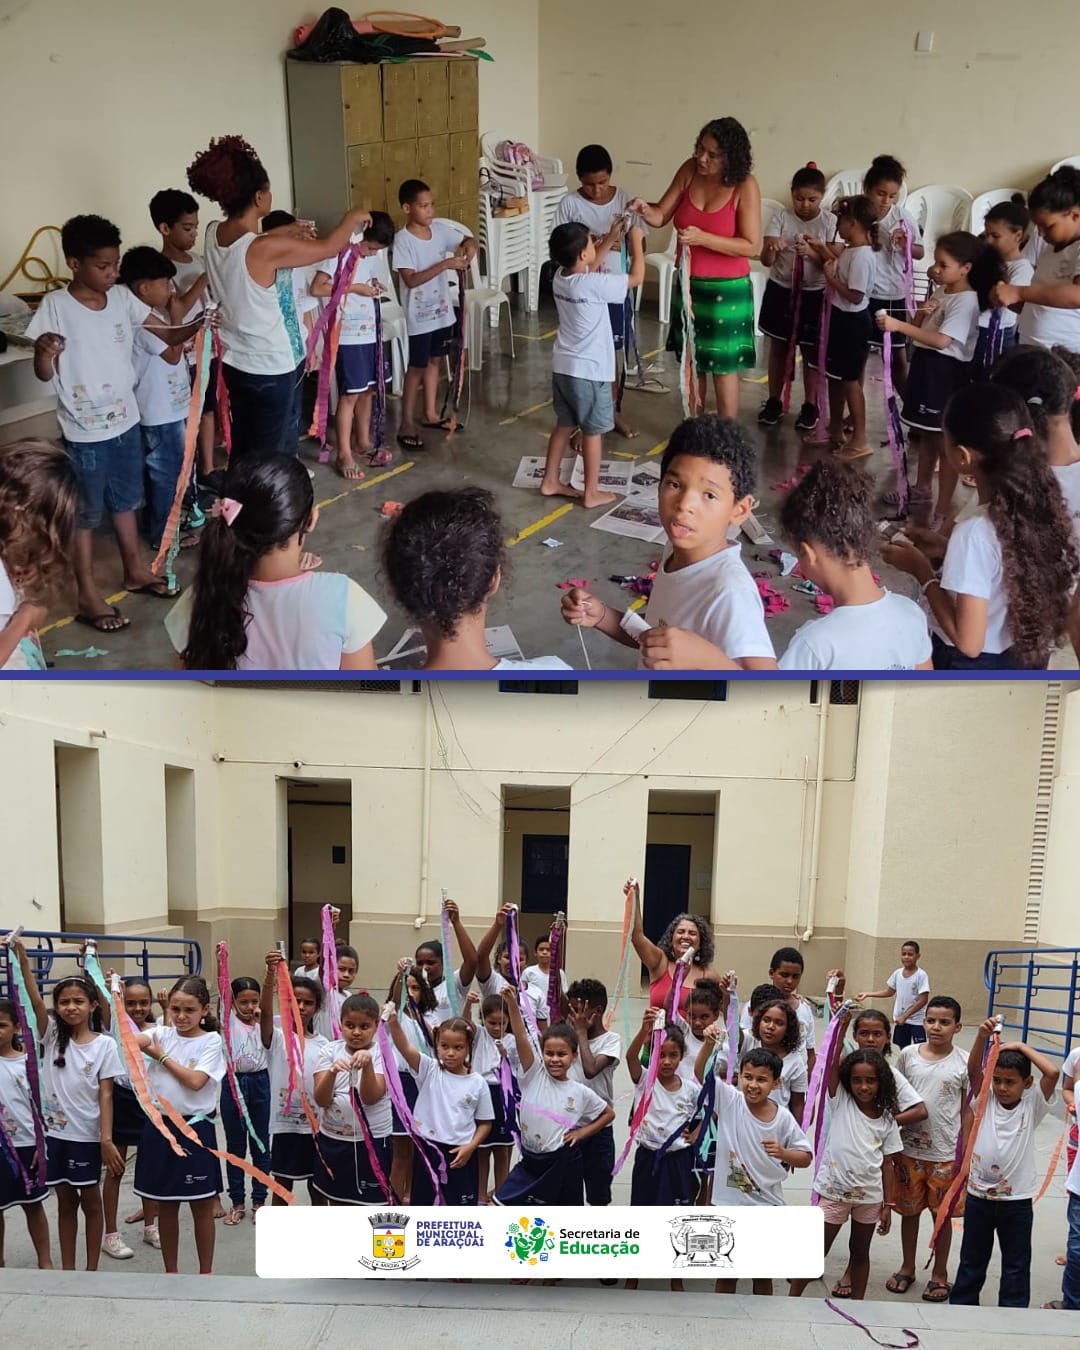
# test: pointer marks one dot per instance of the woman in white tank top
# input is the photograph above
(262, 363)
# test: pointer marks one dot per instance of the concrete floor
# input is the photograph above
(235, 1256)
(510, 417)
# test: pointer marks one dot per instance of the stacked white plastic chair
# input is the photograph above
(516, 180)
(849, 183)
(663, 264)
(937, 209)
(981, 204)
(395, 330)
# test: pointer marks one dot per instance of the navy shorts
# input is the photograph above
(13, 1186)
(849, 345)
(128, 1116)
(598, 1162)
(356, 367)
(427, 347)
(500, 1126)
(411, 1089)
(462, 1184)
(292, 1156)
(71, 1163)
(110, 476)
(933, 379)
(898, 309)
(161, 1175)
(344, 1174)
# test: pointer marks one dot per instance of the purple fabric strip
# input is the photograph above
(401, 1104)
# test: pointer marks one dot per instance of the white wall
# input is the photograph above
(107, 101)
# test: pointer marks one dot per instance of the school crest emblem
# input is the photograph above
(702, 1240)
(388, 1243)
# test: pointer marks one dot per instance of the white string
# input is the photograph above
(584, 649)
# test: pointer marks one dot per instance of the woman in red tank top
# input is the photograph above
(715, 203)
(661, 957)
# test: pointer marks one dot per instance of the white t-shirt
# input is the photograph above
(957, 316)
(687, 1066)
(162, 388)
(442, 1012)
(93, 377)
(428, 307)
(668, 1112)
(486, 1058)
(583, 346)
(323, 1021)
(204, 1053)
(745, 1173)
(1003, 1160)
(973, 566)
(1018, 272)
(536, 663)
(289, 1117)
(786, 225)
(535, 978)
(807, 1023)
(889, 260)
(70, 1101)
(574, 1104)
(887, 634)
(449, 1106)
(1043, 324)
(716, 598)
(28, 654)
(943, 1085)
(309, 974)
(495, 984)
(906, 1096)
(16, 1113)
(249, 1053)
(607, 1043)
(908, 988)
(856, 1147)
(339, 1119)
(855, 269)
(358, 311)
(793, 1074)
(307, 622)
(598, 220)
(1072, 1063)
(1068, 476)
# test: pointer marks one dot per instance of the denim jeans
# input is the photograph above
(110, 476)
(263, 409)
(1011, 1221)
(255, 1090)
(1070, 1279)
(164, 447)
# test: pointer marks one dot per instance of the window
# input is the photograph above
(538, 686)
(545, 863)
(842, 693)
(700, 691)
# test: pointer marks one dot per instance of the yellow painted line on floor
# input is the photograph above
(540, 524)
(367, 483)
(525, 412)
(623, 454)
(655, 352)
(536, 337)
(758, 379)
(329, 501)
(657, 449)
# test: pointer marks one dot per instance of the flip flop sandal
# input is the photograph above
(899, 1283)
(1055, 1305)
(352, 473)
(443, 424)
(154, 593)
(853, 452)
(841, 1291)
(96, 621)
(650, 385)
(937, 1292)
(234, 1216)
(379, 459)
(411, 442)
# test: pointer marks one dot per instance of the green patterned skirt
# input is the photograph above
(723, 324)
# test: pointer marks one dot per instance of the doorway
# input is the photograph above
(536, 854)
(679, 850)
(318, 856)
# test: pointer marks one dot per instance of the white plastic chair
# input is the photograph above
(758, 279)
(984, 201)
(507, 244)
(550, 167)
(480, 300)
(849, 183)
(663, 264)
(769, 208)
(1073, 162)
(395, 329)
(937, 209)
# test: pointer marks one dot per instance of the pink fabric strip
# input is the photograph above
(823, 350)
(327, 322)
(373, 1157)
(793, 343)
(401, 1104)
(732, 1034)
(330, 970)
(893, 426)
(909, 269)
(651, 1074)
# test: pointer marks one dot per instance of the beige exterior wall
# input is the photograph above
(178, 817)
(836, 84)
(104, 140)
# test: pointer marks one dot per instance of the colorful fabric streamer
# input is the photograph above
(513, 949)
(910, 1344)
(732, 1031)
(401, 1104)
(224, 416)
(705, 1108)
(292, 1031)
(688, 379)
(11, 1157)
(287, 304)
(170, 536)
(651, 1074)
(894, 427)
(952, 1195)
(369, 1143)
(455, 387)
(793, 341)
(822, 355)
(555, 965)
(20, 996)
(452, 995)
(225, 994)
(330, 969)
(379, 452)
(328, 329)
(909, 268)
(509, 1088)
(817, 1094)
(995, 341)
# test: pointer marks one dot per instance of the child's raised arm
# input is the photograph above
(487, 943)
(710, 1042)
(266, 1002)
(975, 1055)
(465, 945)
(517, 1025)
(402, 1044)
(633, 1051)
(1050, 1074)
(41, 1013)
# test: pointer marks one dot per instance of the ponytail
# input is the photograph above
(986, 265)
(270, 498)
(861, 211)
(1027, 511)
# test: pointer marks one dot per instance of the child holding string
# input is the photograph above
(419, 1005)
(662, 1154)
(494, 1045)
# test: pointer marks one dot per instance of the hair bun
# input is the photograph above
(810, 164)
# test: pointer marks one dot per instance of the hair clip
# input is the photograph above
(230, 509)
(1021, 434)
(1036, 402)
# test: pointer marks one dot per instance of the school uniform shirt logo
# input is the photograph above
(120, 332)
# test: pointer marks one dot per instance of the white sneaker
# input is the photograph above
(150, 1236)
(115, 1246)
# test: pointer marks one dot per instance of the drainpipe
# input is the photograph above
(425, 814)
(819, 787)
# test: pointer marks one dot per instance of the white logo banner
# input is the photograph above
(492, 1242)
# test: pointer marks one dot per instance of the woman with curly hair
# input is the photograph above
(39, 499)
(1004, 595)
(443, 557)
(684, 933)
(715, 203)
(256, 603)
(250, 277)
